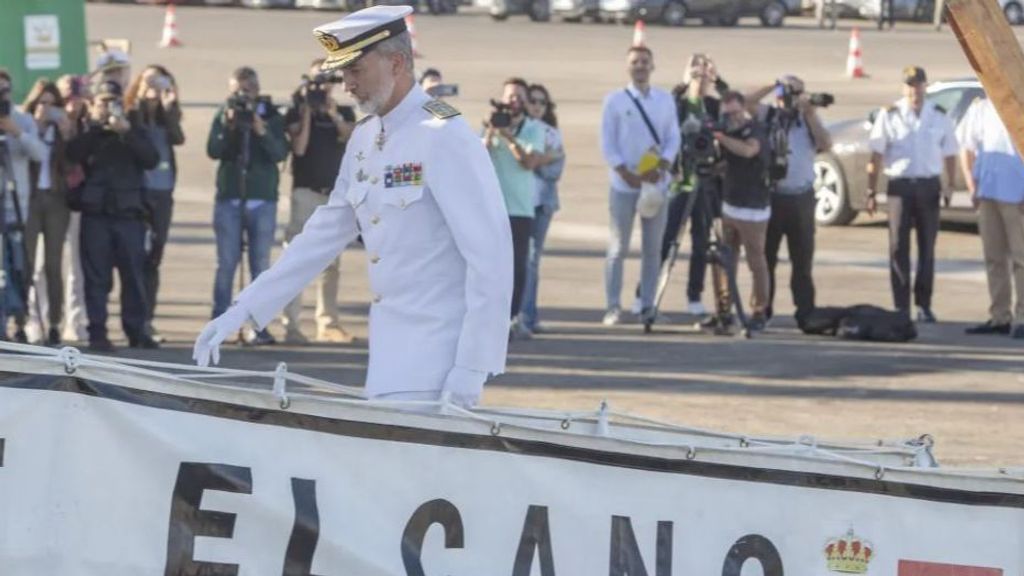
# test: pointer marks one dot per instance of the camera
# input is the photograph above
(244, 106)
(699, 149)
(788, 96)
(443, 91)
(316, 88)
(501, 116)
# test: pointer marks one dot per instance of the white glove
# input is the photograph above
(464, 385)
(216, 331)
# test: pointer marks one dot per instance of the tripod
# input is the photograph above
(719, 254)
(7, 239)
(244, 127)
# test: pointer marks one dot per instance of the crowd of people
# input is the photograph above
(93, 166)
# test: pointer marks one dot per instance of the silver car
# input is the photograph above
(924, 10)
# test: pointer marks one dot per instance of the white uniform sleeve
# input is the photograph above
(878, 141)
(328, 231)
(462, 179)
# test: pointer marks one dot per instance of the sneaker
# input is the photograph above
(638, 306)
(612, 317)
(1018, 332)
(293, 336)
(156, 336)
(519, 332)
(334, 335)
(716, 322)
(263, 338)
(53, 338)
(696, 308)
(101, 345)
(144, 343)
(925, 315)
(538, 328)
(989, 327)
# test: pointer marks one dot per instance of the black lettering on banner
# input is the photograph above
(536, 538)
(756, 547)
(440, 512)
(625, 558)
(188, 521)
(298, 559)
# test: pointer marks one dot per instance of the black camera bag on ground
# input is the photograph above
(863, 322)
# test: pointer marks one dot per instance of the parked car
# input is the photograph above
(268, 3)
(576, 10)
(537, 10)
(924, 10)
(675, 12)
(841, 183)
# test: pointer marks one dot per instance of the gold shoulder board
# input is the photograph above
(441, 110)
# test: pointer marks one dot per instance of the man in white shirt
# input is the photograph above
(994, 174)
(418, 185)
(638, 121)
(914, 140)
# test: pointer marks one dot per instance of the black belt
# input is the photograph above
(925, 180)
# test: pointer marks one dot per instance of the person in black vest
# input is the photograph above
(115, 155)
(318, 129)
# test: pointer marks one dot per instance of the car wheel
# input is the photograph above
(540, 11)
(831, 193)
(1014, 13)
(674, 13)
(773, 15)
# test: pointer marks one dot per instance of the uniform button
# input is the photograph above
(375, 220)
(376, 298)
(375, 259)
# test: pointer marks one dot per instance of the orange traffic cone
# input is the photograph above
(639, 34)
(170, 35)
(855, 61)
(410, 25)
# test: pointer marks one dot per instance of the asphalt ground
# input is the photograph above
(967, 392)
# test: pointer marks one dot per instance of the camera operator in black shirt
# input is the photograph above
(318, 129)
(115, 155)
(746, 203)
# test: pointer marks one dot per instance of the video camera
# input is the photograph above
(315, 89)
(501, 116)
(699, 149)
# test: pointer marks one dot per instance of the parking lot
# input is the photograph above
(965, 392)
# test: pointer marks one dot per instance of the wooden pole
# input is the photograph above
(993, 51)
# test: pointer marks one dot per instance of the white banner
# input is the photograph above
(112, 480)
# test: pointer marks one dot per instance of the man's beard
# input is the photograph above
(376, 101)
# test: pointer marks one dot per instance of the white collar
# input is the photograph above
(639, 93)
(413, 101)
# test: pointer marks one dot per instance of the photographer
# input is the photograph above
(746, 205)
(248, 205)
(697, 109)
(796, 136)
(48, 212)
(319, 129)
(153, 105)
(516, 144)
(116, 155)
(19, 145)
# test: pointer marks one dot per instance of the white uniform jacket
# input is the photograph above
(424, 195)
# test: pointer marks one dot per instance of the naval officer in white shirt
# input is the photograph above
(420, 188)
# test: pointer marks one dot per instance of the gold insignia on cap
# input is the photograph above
(441, 110)
(328, 41)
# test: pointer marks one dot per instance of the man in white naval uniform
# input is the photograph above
(420, 188)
